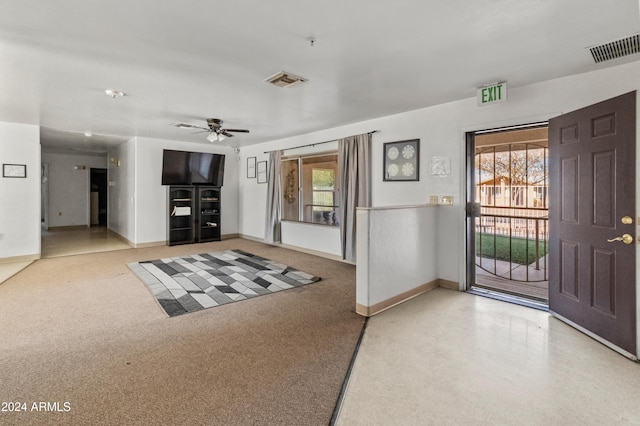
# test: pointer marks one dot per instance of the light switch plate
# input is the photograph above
(445, 200)
(433, 199)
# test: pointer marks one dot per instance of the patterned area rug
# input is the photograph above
(191, 283)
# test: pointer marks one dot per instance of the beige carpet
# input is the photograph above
(84, 330)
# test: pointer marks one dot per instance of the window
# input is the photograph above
(309, 189)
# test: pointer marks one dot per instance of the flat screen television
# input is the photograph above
(192, 168)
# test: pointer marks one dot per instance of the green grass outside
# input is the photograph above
(498, 247)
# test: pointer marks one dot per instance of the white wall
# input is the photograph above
(391, 261)
(322, 238)
(20, 198)
(69, 188)
(121, 179)
(441, 130)
(148, 198)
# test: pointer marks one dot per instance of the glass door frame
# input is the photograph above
(472, 210)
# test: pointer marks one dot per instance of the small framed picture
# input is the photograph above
(251, 168)
(14, 170)
(262, 172)
(401, 161)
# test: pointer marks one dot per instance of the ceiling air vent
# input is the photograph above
(285, 79)
(616, 49)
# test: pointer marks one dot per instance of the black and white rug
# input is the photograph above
(200, 281)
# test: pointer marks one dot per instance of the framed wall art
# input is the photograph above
(401, 161)
(251, 168)
(262, 172)
(14, 170)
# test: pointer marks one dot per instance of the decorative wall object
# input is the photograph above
(251, 168)
(440, 166)
(14, 170)
(402, 161)
(291, 187)
(262, 172)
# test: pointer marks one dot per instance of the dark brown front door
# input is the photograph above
(592, 278)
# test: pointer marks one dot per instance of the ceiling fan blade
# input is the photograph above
(201, 131)
(224, 132)
(188, 126)
(236, 130)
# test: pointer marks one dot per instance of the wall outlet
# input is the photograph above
(433, 199)
(445, 200)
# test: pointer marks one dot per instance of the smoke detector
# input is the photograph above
(616, 49)
(285, 79)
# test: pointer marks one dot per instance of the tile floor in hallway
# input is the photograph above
(68, 241)
(448, 357)
(78, 240)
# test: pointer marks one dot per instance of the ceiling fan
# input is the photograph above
(217, 133)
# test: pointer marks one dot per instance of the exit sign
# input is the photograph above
(492, 93)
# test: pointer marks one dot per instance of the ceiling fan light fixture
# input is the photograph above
(221, 137)
(114, 93)
(211, 137)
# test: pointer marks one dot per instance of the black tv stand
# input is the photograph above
(194, 214)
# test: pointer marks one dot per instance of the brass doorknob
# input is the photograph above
(626, 238)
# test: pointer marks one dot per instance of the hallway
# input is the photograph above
(79, 240)
(58, 242)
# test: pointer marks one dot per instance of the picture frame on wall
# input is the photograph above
(401, 161)
(14, 170)
(251, 168)
(262, 172)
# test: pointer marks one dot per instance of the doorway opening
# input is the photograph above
(508, 213)
(98, 197)
(44, 196)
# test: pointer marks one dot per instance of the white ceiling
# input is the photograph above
(189, 60)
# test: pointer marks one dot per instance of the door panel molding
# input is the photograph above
(570, 172)
(569, 269)
(603, 295)
(604, 189)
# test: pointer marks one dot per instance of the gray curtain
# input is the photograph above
(272, 231)
(354, 182)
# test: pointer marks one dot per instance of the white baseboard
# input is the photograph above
(368, 311)
(25, 258)
(300, 249)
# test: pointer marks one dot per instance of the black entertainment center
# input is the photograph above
(194, 181)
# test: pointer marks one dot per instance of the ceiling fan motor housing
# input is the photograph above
(214, 123)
